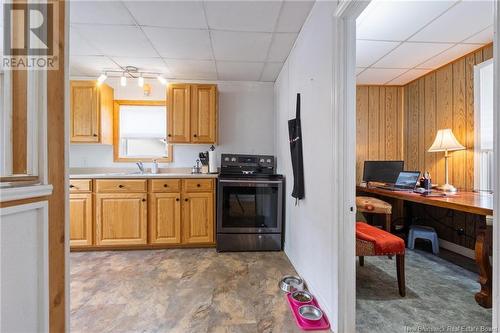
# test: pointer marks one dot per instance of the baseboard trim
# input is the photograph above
(466, 252)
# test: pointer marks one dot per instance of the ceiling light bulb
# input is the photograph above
(101, 79)
(162, 80)
(141, 81)
(123, 81)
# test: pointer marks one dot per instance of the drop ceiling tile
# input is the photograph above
(180, 43)
(359, 70)
(79, 45)
(242, 15)
(483, 37)
(397, 20)
(293, 15)
(143, 64)
(281, 45)
(192, 69)
(99, 12)
(458, 23)
(118, 40)
(271, 71)
(90, 65)
(378, 75)
(240, 46)
(368, 52)
(408, 55)
(409, 76)
(172, 14)
(239, 71)
(449, 55)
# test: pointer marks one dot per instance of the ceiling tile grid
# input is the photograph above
(213, 40)
(399, 41)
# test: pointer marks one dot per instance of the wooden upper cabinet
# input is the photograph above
(80, 219)
(121, 218)
(91, 111)
(198, 218)
(203, 113)
(192, 113)
(178, 113)
(164, 218)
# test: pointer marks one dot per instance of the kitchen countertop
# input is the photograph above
(96, 173)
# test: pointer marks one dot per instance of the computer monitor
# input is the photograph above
(382, 171)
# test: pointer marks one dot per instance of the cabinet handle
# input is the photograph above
(165, 185)
(177, 199)
(169, 135)
(121, 186)
(186, 199)
(195, 135)
(143, 200)
(198, 185)
(95, 134)
(71, 186)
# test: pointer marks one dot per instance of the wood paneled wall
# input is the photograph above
(443, 98)
(379, 124)
(401, 122)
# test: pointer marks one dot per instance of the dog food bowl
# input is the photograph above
(301, 297)
(290, 283)
(310, 313)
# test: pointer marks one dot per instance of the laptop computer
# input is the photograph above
(407, 181)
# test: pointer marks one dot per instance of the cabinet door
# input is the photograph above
(198, 218)
(178, 113)
(121, 218)
(203, 113)
(80, 219)
(164, 218)
(84, 112)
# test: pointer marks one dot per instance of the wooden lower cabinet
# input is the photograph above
(121, 218)
(164, 218)
(198, 218)
(80, 230)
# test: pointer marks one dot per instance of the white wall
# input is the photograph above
(309, 232)
(246, 124)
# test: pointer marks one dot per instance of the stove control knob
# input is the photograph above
(262, 160)
(226, 159)
(268, 160)
(233, 159)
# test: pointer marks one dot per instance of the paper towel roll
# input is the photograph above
(212, 162)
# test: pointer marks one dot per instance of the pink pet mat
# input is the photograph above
(322, 324)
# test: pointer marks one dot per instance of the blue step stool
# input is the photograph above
(423, 232)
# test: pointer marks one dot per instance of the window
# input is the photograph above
(140, 131)
(483, 126)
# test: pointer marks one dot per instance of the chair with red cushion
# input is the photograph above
(369, 206)
(372, 241)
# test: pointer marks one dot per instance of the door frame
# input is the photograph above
(344, 162)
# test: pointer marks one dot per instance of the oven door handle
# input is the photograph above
(250, 181)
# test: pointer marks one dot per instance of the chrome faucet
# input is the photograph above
(140, 166)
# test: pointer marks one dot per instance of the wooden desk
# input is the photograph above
(468, 202)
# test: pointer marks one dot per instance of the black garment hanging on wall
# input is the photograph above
(295, 137)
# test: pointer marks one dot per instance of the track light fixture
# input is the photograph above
(101, 78)
(130, 72)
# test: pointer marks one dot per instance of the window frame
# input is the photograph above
(116, 132)
(477, 129)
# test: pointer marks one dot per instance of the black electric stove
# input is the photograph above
(250, 204)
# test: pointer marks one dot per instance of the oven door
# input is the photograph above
(249, 206)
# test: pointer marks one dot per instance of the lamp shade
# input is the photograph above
(445, 140)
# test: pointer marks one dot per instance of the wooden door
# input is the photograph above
(84, 112)
(164, 218)
(121, 218)
(198, 218)
(204, 113)
(80, 219)
(178, 113)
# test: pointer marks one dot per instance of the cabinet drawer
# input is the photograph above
(80, 185)
(198, 185)
(121, 185)
(165, 185)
